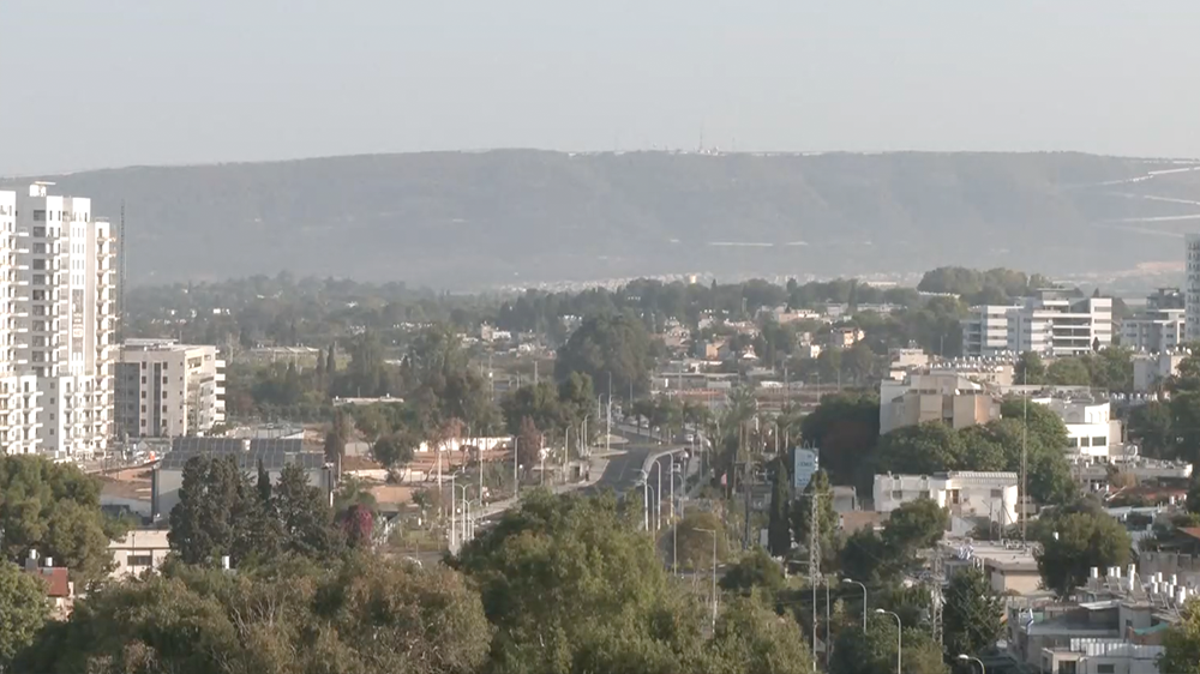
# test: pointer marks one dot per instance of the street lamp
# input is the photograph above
(453, 508)
(714, 575)
(967, 658)
(658, 497)
(899, 635)
(848, 581)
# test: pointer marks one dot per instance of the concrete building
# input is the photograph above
(19, 393)
(1151, 371)
(62, 281)
(951, 398)
(1054, 324)
(901, 361)
(1154, 330)
(165, 389)
(965, 493)
(138, 551)
(1009, 568)
(985, 330)
(1191, 288)
(845, 337)
(1092, 433)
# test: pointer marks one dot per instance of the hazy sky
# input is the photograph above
(89, 83)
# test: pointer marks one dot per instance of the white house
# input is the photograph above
(138, 551)
(965, 493)
(1092, 433)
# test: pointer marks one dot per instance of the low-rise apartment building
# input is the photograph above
(1092, 433)
(1051, 323)
(1151, 371)
(947, 397)
(1154, 331)
(167, 389)
(138, 551)
(965, 493)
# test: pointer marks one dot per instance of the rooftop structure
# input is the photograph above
(991, 495)
(947, 397)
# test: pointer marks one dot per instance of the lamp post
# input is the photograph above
(899, 635)
(967, 658)
(453, 509)
(714, 575)
(848, 581)
(658, 497)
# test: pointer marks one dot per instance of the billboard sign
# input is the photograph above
(805, 464)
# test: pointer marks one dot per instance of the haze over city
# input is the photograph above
(171, 83)
(534, 337)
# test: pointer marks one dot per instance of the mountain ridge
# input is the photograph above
(469, 219)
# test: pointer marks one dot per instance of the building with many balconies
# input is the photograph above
(165, 389)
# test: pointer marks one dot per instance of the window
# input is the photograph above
(1100, 441)
(139, 560)
(143, 395)
(143, 409)
(143, 377)
(164, 380)
(39, 215)
(923, 494)
(897, 495)
(1106, 669)
(164, 395)
(1085, 442)
(164, 408)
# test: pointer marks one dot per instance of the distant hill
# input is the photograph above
(462, 220)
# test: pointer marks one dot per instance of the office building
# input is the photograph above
(59, 294)
(1161, 327)
(1191, 288)
(164, 389)
(1052, 323)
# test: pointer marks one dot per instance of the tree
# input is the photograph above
(820, 493)
(23, 611)
(305, 514)
(916, 525)
(54, 509)
(357, 524)
(779, 533)
(845, 427)
(973, 614)
(395, 449)
(927, 448)
(529, 444)
(755, 569)
(867, 558)
(751, 638)
(361, 615)
(1181, 643)
(875, 651)
(604, 344)
(337, 436)
(203, 524)
(695, 546)
(1029, 369)
(1074, 542)
(1150, 426)
(1068, 372)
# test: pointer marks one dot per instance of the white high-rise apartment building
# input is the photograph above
(985, 330)
(65, 315)
(165, 389)
(1191, 289)
(19, 393)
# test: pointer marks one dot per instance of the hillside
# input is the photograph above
(459, 220)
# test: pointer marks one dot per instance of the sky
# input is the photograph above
(87, 84)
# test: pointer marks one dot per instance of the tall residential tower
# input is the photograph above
(63, 311)
(1191, 289)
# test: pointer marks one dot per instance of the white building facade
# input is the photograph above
(164, 389)
(61, 314)
(965, 493)
(985, 330)
(1092, 433)
(1155, 331)
(20, 397)
(1054, 325)
(1191, 288)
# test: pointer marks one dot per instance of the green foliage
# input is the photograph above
(924, 449)
(754, 570)
(865, 557)
(696, 546)
(1150, 425)
(360, 616)
(605, 344)
(915, 525)
(994, 286)
(1073, 542)
(973, 613)
(221, 513)
(1029, 369)
(875, 652)
(55, 509)
(779, 526)
(23, 611)
(1181, 642)
(845, 427)
(820, 493)
(751, 638)
(395, 449)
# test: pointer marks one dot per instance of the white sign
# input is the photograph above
(805, 464)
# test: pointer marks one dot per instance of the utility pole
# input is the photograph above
(1024, 457)
(516, 468)
(936, 600)
(814, 566)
